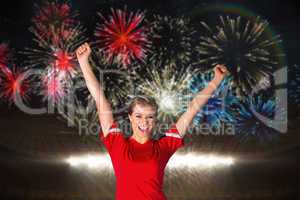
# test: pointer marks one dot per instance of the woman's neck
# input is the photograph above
(139, 139)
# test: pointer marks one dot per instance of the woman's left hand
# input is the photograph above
(220, 72)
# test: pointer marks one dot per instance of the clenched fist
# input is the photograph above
(220, 72)
(83, 52)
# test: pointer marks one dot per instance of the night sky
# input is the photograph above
(283, 17)
(26, 141)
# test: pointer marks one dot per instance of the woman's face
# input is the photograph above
(142, 120)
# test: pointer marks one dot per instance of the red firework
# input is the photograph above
(53, 21)
(55, 14)
(122, 37)
(64, 62)
(54, 86)
(13, 84)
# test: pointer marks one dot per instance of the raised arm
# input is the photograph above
(95, 88)
(200, 100)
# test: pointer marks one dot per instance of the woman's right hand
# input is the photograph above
(83, 52)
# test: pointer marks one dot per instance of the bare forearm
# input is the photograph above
(97, 92)
(195, 105)
(92, 83)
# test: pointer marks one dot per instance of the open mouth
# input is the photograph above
(143, 129)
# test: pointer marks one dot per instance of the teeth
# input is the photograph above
(143, 129)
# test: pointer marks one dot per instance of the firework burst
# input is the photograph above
(243, 46)
(59, 70)
(171, 40)
(64, 62)
(122, 37)
(14, 84)
(50, 58)
(56, 49)
(54, 87)
(248, 122)
(170, 90)
(214, 112)
(54, 53)
(53, 21)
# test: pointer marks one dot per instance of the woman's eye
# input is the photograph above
(138, 116)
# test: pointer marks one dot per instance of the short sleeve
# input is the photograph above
(172, 140)
(113, 138)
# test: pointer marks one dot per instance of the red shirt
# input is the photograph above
(139, 168)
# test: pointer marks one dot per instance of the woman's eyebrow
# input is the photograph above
(150, 115)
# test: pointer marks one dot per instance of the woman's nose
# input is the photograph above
(145, 121)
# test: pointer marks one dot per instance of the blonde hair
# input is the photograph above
(142, 100)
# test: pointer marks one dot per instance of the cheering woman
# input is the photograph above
(139, 161)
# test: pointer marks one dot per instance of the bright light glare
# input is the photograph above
(193, 160)
(190, 160)
(99, 161)
(167, 102)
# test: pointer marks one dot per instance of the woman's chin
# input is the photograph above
(144, 133)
